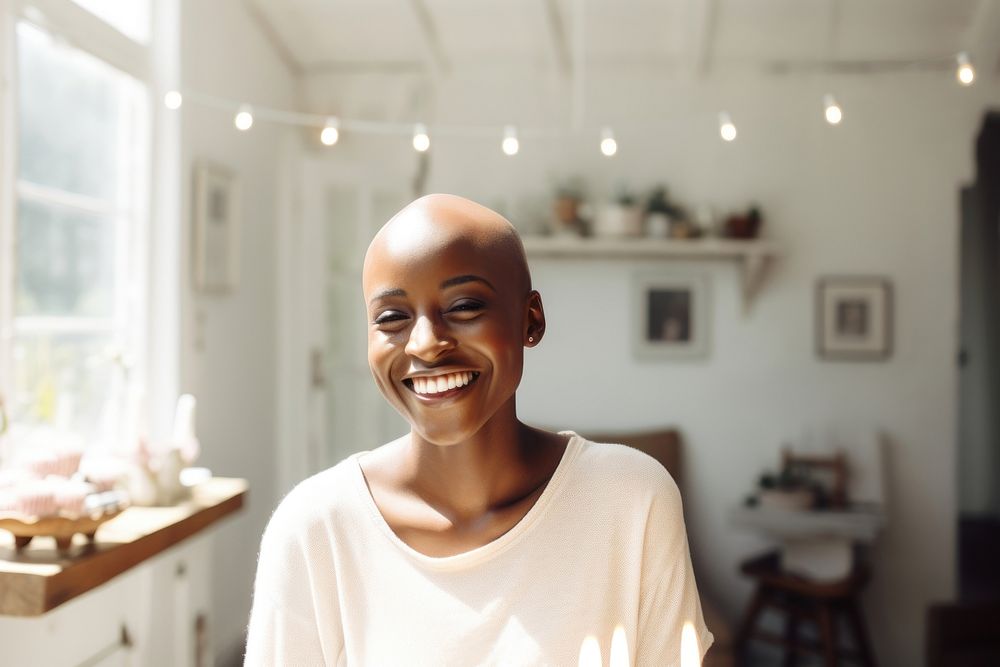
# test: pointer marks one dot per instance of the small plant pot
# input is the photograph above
(796, 500)
(619, 220)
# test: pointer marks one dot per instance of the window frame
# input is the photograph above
(155, 65)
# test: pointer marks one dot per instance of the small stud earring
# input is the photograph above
(531, 339)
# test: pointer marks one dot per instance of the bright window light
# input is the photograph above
(129, 17)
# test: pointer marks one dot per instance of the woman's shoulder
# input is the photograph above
(320, 496)
(621, 464)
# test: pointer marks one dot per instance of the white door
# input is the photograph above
(331, 407)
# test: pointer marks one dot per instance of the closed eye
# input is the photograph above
(466, 309)
(467, 305)
(390, 316)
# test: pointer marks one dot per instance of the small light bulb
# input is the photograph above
(421, 142)
(510, 144)
(608, 144)
(832, 110)
(331, 132)
(966, 73)
(173, 100)
(726, 128)
(244, 118)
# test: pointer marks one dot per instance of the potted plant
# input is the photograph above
(659, 214)
(790, 489)
(566, 215)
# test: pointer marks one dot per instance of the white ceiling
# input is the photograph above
(697, 37)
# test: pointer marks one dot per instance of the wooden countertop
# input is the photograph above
(38, 579)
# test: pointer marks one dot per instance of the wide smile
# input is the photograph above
(439, 387)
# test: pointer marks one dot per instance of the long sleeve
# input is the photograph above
(669, 596)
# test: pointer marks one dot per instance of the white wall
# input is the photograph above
(878, 195)
(229, 342)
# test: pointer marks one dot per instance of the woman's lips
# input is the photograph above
(439, 387)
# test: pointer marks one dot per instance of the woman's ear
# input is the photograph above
(535, 320)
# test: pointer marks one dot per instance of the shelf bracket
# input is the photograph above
(754, 268)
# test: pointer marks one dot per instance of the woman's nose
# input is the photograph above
(428, 339)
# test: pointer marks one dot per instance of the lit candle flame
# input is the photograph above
(590, 653)
(690, 653)
(619, 648)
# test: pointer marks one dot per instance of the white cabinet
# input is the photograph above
(163, 606)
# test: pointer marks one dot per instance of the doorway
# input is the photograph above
(979, 375)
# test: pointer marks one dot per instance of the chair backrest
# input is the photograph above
(663, 445)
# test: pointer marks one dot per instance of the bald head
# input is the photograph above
(442, 223)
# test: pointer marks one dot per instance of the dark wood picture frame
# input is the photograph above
(854, 318)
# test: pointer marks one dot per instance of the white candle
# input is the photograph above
(590, 653)
(690, 654)
(619, 648)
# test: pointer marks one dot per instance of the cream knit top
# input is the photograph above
(603, 547)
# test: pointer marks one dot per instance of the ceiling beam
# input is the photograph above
(982, 37)
(557, 33)
(701, 20)
(579, 97)
(436, 56)
(349, 67)
(273, 39)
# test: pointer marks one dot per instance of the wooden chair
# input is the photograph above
(823, 603)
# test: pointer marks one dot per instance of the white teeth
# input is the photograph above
(441, 383)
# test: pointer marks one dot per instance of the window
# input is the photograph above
(131, 17)
(76, 235)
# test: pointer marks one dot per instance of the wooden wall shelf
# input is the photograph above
(754, 257)
(38, 578)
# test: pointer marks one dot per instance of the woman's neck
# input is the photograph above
(501, 464)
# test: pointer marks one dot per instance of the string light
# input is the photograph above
(510, 144)
(608, 144)
(965, 73)
(173, 100)
(726, 128)
(421, 141)
(832, 110)
(331, 132)
(244, 118)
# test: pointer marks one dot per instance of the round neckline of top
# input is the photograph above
(490, 549)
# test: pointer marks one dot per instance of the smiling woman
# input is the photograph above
(466, 540)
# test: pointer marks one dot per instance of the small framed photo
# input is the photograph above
(854, 318)
(216, 228)
(671, 316)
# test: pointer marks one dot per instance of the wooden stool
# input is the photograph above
(804, 599)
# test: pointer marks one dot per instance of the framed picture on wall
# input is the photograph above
(671, 316)
(854, 318)
(216, 228)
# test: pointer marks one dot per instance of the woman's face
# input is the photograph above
(446, 334)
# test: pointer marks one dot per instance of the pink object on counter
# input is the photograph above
(62, 463)
(35, 498)
(71, 496)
